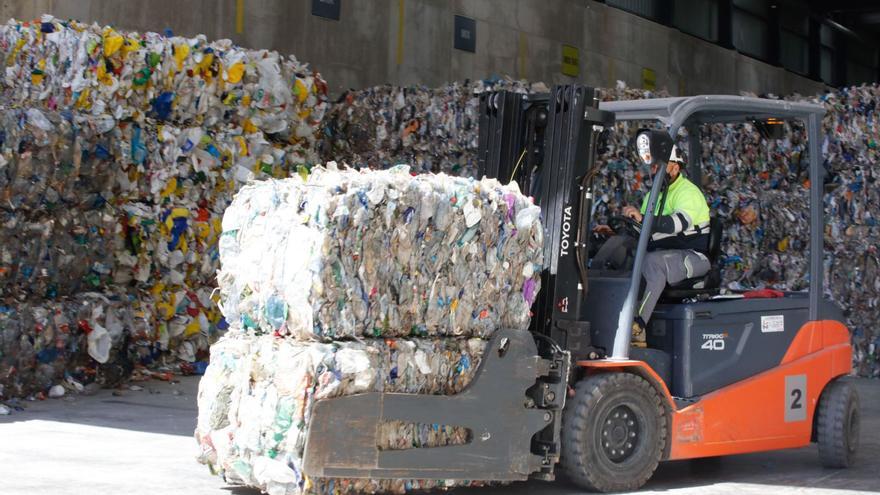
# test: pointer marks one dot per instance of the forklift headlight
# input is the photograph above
(643, 147)
(653, 146)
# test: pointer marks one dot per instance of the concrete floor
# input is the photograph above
(141, 443)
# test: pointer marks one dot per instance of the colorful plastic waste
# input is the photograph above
(758, 188)
(69, 341)
(348, 253)
(130, 76)
(387, 268)
(114, 184)
(431, 129)
(256, 396)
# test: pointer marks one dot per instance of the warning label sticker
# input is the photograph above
(772, 323)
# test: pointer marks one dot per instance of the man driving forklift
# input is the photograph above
(678, 246)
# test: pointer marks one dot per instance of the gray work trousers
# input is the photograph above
(668, 266)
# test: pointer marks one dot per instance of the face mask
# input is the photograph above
(667, 180)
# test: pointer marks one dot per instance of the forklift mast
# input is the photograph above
(548, 144)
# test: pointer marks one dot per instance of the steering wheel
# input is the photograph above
(622, 224)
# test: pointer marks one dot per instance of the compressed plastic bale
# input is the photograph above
(350, 253)
(431, 129)
(119, 152)
(256, 397)
(43, 343)
(103, 204)
(132, 76)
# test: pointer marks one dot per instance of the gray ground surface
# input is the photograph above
(141, 443)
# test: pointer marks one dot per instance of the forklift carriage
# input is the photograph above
(719, 376)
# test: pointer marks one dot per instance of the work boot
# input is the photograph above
(639, 336)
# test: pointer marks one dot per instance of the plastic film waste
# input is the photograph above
(350, 253)
(256, 396)
(119, 152)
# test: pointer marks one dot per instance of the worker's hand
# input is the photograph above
(603, 229)
(632, 212)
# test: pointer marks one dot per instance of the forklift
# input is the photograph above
(718, 376)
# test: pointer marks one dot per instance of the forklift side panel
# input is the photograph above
(718, 343)
(773, 410)
(769, 411)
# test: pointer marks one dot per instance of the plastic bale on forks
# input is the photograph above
(348, 253)
(347, 282)
(256, 397)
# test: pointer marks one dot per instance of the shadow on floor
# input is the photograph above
(161, 407)
(171, 409)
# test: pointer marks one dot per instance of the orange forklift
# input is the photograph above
(720, 375)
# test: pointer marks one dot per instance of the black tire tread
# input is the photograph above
(588, 392)
(832, 423)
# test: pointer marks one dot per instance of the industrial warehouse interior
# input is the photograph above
(423, 246)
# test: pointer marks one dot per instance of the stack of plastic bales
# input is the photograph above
(432, 129)
(132, 76)
(348, 282)
(758, 188)
(120, 152)
(852, 207)
(761, 188)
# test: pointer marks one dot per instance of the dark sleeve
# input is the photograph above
(672, 224)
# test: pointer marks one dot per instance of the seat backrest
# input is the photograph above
(716, 230)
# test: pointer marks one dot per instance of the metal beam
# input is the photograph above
(814, 66)
(725, 23)
(817, 210)
(839, 60)
(774, 33)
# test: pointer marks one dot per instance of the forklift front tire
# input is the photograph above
(837, 425)
(613, 432)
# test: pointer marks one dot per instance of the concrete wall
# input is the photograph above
(520, 38)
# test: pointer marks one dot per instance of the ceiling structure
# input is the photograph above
(860, 17)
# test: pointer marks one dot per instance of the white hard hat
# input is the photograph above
(676, 155)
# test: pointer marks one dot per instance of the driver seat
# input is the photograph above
(710, 283)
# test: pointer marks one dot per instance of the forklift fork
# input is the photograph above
(512, 410)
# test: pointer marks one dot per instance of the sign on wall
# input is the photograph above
(465, 34)
(571, 65)
(326, 8)
(649, 79)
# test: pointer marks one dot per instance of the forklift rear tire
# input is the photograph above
(613, 432)
(837, 425)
